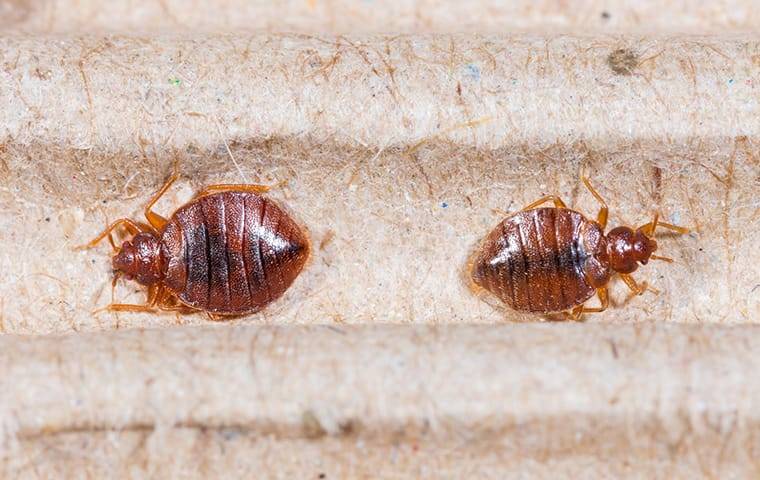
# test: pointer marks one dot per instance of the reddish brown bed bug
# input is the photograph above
(553, 259)
(228, 252)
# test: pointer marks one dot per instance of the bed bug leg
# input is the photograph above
(130, 225)
(601, 217)
(126, 307)
(179, 308)
(156, 220)
(155, 292)
(232, 187)
(649, 228)
(604, 302)
(635, 287)
(168, 302)
(549, 198)
(164, 299)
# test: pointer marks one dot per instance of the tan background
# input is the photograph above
(380, 16)
(398, 133)
(396, 153)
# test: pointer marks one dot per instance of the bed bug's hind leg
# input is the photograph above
(157, 221)
(130, 225)
(549, 198)
(601, 217)
(604, 302)
(232, 187)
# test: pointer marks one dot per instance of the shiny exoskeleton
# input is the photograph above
(551, 260)
(229, 251)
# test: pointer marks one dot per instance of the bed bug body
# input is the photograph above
(229, 251)
(553, 259)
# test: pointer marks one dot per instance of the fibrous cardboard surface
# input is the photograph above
(398, 134)
(397, 154)
(389, 16)
(668, 401)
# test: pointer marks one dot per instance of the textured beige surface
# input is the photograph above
(485, 399)
(398, 152)
(211, 453)
(384, 16)
(397, 155)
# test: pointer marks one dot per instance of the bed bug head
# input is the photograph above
(627, 247)
(140, 259)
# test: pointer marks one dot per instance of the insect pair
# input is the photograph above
(230, 251)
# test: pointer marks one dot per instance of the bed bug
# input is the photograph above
(553, 259)
(229, 251)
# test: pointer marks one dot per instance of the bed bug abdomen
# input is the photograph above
(551, 260)
(540, 260)
(232, 253)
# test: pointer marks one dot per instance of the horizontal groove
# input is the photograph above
(388, 382)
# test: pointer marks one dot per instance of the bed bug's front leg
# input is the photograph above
(126, 307)
(635, 287)
(232, 187)
(549, 198)
(156, 220)
(159, 298)
(154, 294)
(649, 228)
(131, 226)
(601, 217)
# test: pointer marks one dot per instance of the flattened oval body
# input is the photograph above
(231, 253)
(534, 260)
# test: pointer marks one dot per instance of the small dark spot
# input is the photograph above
(613, 347)
(606, 15)
(701, 249)
(312, 428)
(349, 427)
(92, 261)
(459, 89)
(623, 61)
(321, 475)
(47, 219)
(103, 201)
(327, 239)
(444, 205)
(657, 181)
(230, 434)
